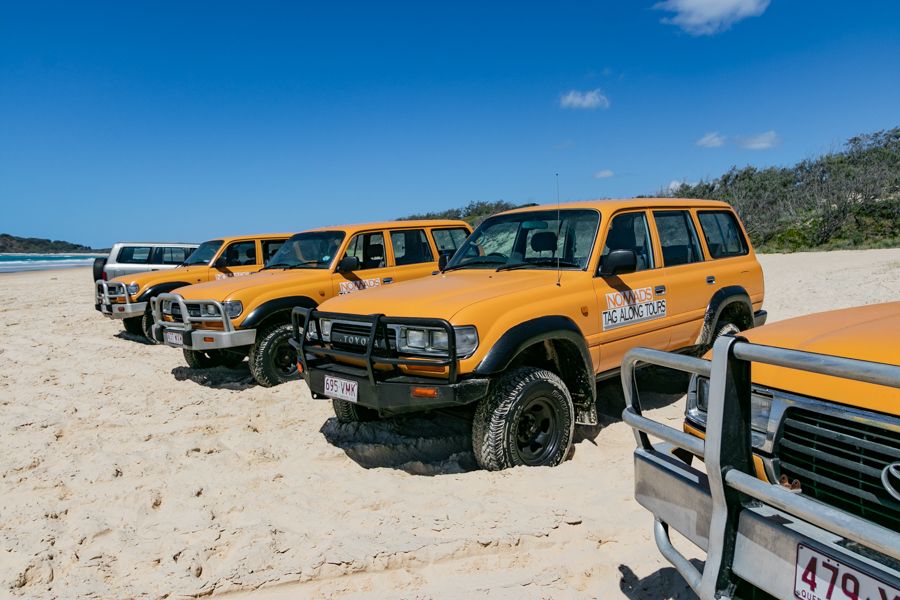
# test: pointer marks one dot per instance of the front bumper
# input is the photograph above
(113, 301)
(768, 539)
(185, 334)
(381, 383)
(759, 318)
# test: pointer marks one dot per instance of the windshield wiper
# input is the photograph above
(276, 266)
(286, 266)
(540, 262)
(481, 260)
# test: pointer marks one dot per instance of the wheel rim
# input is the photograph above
(537, 431)
(283, 359)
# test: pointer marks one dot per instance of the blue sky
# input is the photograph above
(189, 120)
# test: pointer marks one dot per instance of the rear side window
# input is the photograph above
(411, 247)
(134, 255)
(448, 240)
(269, 248)
(677, 237)
(170, 256)
(723, 234)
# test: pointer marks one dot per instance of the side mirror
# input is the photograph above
(348, 264)
(620, 261)
(443, 259)
(221, 262)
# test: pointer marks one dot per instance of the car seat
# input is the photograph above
(251, 257)
(373, 256)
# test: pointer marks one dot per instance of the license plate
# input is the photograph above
(173, 338)
(342, 389)
(820, 577)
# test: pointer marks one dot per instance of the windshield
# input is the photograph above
(203, 254)
(530, 240)
(310, 250)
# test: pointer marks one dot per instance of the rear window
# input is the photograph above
(134, 255)
(170, 256)
(677, 237)
(448, 240)
(723, 235)
(410, 247)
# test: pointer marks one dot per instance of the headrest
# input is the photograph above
(251, 253)
(376, 251)
(543, 241)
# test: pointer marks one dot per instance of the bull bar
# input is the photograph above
(749, 528)
(191, 337)
(108, 292)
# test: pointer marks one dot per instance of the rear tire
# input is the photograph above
(348, 412)
(272, 359)
(133, 326)
(99, 263)
(527, 418)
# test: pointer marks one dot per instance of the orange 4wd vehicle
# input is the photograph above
(128, 297)
(797, 425)
(222, 322)
(531, 311)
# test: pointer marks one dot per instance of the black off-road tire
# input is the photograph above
(348, 412)
(272, 359)
(133, 326)
(527, 418)
(202, 359)
(232, 358)
(147, 325)
(725, 328)
(99, 263)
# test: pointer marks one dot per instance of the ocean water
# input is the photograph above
(11, 263)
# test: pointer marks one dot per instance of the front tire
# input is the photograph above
(202, 359)
(526, 419)
(272, 359)
(348, 412)
(147, 326)
(133, 326)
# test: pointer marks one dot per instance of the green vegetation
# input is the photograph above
(11, 244)
(844, 199)
(474, 213)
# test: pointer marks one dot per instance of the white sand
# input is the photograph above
(124, 473)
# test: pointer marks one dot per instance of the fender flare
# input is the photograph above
(160, 288)
(523, 335)
(724, 297)
(269, 308)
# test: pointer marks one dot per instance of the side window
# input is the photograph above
(723, 234)
(269, 248)
(240, 254)
(629, 231)
(169, 256)
(677, 237)
(369, 249)
(448, 240)
(411, 247)
(134, 255)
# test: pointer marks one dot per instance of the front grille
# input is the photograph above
(354, 336)
(193, 310)
(839, 462)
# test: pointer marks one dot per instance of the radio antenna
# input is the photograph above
(558, 229)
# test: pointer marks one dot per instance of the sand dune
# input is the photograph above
(124, 473)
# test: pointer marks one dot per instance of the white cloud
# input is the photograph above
(713, 139)
(762, 141)
(706, 17)
(603, 174)
(589, 99)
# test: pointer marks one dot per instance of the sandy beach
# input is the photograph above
(124, 473)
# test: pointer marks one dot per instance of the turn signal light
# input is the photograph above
(208, 339)
(424, 392)
(300, 368)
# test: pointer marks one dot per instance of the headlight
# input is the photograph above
(132, 288)
(233, 308)
(167, 307)
(698, 407)
(428, 341)
(312, 333)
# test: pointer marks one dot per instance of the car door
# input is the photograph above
(730, 263)
(686, 272)
(412, 254)
(370, 249)
(237, 258)
(633, 306)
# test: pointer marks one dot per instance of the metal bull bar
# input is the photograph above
(106, 295)
(186, 318)
(316, 349)
(727, 453)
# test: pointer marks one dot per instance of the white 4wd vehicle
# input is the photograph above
(126, 258)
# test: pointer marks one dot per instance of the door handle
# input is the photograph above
(710, 279)
(660, 289)
(387, 280)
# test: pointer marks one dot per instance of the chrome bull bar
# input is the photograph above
(106, 293)
(186, 318)
(732, 490)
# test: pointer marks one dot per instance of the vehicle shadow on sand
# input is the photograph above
(217, 378)
(665, 583)
(138, 339)
(430, 444)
